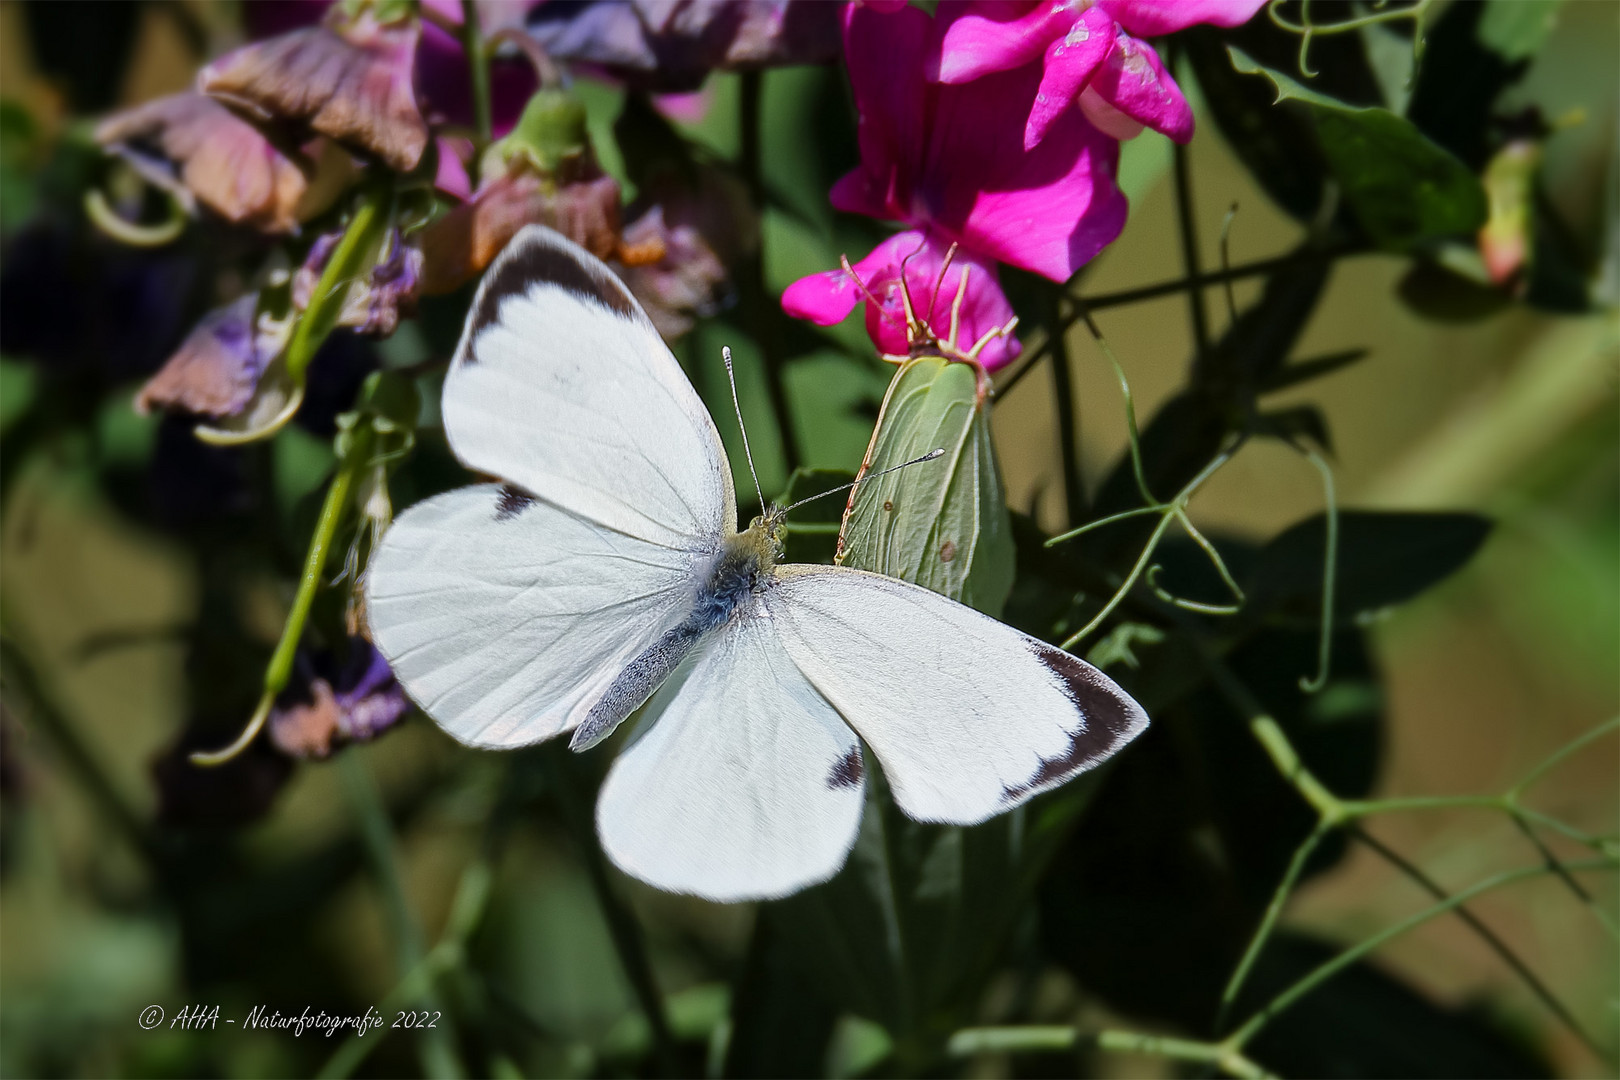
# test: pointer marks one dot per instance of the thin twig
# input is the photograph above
(1189, 255)
(1329, 968)
(1486, 934)
(1074, 493)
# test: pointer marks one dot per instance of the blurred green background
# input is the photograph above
(1513, 414)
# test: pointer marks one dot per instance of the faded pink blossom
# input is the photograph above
(946, 157)
(349, 79)
(199, 151)
(376, 300)
(828, 297)
(1091, 53)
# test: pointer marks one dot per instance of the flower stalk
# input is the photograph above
(320, 545)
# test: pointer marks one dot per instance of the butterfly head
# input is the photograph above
(768, 533)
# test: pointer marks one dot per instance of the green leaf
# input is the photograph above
(1275, 145)
(1384, 559)
(1516, 29)
(942, 524)
(1404, 190)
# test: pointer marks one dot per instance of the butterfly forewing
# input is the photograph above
(968, 716)
(505, 617)
(562, 387)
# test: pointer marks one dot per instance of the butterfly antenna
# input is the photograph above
(932, 455)
(725, 352)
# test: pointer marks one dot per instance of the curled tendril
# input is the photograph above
(110, 222)
(1381, 13)
(1330, 558)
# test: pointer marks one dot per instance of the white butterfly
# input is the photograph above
(607, 569)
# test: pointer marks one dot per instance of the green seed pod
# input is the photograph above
(942, 524)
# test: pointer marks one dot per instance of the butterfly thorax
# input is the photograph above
(742, 567)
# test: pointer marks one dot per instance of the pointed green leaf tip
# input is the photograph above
(1405, 191)
(942, 524)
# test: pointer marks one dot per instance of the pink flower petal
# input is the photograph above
(829, 297)
(994, 35)
(1134, 81)
(1154, 18)
(825, 299)
(1048, 209)
(450, 174)
(885, 55)
(1070, 61)
(952, 157)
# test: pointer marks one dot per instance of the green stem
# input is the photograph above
(1125, 587)
(1215, 277)
(326, 302)
(1123, 515)
(1132, 434)
(1486, 934)
(1330, 562)
(1228, 1059)
(281, 661)
(1268, 922)
(1189, 255)
(1331, 810)
(1038, 1038)
(1329, 968)
(1558, 756)
(1074, 492)
(1556, 865)
(435, 1045)
(628, 941)
(472, 42)
(1166, 517)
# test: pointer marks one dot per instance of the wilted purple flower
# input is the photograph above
(952, 159)
(375, 302)
(197, 150)
(217, 368)
(673, 44)
(1091, 53)
(461, 243)
(828, 297)
(683, 280)
(337, 702)
(351, 79)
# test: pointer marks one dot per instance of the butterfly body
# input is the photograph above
(740, 571)
(604, 573)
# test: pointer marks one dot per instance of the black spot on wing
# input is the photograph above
(512, 501)
(847, 771)
(1107, 720)
(526, 264)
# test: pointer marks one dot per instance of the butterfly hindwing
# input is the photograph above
(968, 716)
(561, 386)
(743, 784)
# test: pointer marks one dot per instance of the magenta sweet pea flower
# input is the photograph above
(951, 158)
(828, 297)
(1091, 54)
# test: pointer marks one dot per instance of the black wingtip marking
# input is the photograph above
(847, 771)
(512, 501)
(540, 263)
(1108, 720)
